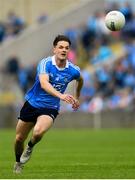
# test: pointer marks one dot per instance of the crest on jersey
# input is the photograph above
(65, 80)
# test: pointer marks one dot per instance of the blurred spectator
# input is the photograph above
(72, 34)
(9, 32)
(120, 99)
(119, 74)
(127, 11)
(103, 78)
(11, 27)
(12, 65)
(96, 24)
(2, 31)
(26, 77)
(88, 90)
(31, 71)
(23, 79)
(101, 52)
(129, 29)
(129, 80)
(129, 47)
(42, 18)
(87, 38)
(96, 104)
(15, 22)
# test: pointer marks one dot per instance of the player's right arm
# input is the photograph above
(44, 82)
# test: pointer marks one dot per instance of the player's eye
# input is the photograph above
(61, 47)
(67, 48)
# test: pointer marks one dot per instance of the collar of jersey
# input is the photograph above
(54, 63)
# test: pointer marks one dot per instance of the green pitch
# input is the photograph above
(74, 154)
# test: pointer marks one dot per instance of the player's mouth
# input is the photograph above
(63, 54)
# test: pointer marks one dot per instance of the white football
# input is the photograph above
(115, 20)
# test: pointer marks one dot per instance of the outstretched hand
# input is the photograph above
(76, 104)
(70, 100)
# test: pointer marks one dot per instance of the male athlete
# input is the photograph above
(43, 99)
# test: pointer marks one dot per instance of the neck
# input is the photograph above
(61, 63)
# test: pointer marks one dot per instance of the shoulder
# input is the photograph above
(46, 61)
(74, 70)
(74, 67)
(44, 65)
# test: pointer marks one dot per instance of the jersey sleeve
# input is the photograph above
(43, 67)
(77, 72)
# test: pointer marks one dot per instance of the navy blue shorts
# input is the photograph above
(29, 113)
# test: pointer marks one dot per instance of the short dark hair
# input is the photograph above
(61, 38)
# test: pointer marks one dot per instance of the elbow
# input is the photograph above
(42, 85)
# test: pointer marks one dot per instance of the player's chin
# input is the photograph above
(63, 57)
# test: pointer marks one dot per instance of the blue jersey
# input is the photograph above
(58, 78)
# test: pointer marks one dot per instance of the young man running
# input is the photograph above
(43, 99)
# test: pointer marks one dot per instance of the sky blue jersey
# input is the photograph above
(58, 78)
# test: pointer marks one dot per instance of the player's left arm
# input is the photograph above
(79, 84)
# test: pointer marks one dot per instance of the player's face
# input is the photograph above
(61, 50)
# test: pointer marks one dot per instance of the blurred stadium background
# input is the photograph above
(97, 140)
(107, 59)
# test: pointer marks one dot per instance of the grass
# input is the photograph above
(74, 154)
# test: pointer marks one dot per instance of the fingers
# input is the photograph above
(69, 99)
(76, 105)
